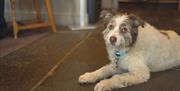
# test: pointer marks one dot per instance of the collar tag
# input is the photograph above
(119, 54)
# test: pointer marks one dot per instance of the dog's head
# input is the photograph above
(122, 30)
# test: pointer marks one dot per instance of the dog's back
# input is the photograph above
(174, 44)
(161, 48)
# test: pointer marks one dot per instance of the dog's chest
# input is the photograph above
(120, 60)
(122, 64)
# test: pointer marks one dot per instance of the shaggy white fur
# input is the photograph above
(153, 51)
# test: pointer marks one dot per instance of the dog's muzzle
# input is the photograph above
(112, 40)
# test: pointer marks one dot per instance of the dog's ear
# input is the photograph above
(136, 21)
(105, 17)
(107, 13)
(134, 34)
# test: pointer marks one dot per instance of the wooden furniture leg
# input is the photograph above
(50, 15)
(18, 27)
(14, 23)
(37, 10)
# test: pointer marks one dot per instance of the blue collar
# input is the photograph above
(120, 54)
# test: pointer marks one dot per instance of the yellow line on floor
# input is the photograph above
(59, 63)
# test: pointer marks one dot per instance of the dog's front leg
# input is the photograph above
(134, 76)
(92, 77)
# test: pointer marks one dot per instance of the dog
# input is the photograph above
(135, 49)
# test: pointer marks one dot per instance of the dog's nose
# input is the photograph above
(113, 39)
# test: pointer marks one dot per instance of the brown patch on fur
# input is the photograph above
(136, 21)
(134, 34)
(165, 34)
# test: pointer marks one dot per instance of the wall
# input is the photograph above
(66, 12)
(106, 3)
(114, 4)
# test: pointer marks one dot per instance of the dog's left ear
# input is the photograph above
(136, 21)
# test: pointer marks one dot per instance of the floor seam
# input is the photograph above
(53, 69)
(41, 37)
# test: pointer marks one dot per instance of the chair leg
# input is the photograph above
(37, 10)
(15, 29)
(14, 23)
(50, 15)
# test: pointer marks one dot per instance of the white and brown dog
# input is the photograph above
(135, 49)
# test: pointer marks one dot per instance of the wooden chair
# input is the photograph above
(17, 27)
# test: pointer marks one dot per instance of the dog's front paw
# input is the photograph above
(104, 85)
(87, 78)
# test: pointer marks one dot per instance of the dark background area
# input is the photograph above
(160, 15)
(94, 9)
(3, 31)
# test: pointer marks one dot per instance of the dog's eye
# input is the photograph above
(110, 27)
(124, 30)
